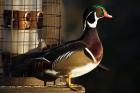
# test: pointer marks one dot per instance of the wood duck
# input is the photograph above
(78, 57)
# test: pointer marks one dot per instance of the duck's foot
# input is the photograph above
(73, 87)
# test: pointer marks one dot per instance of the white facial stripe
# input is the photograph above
(85, 20)
(89, 14)
(94, 24)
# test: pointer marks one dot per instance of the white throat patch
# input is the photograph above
(94, 24)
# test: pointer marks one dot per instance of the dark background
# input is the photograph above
(120, 38)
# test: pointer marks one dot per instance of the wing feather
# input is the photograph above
(55, 52)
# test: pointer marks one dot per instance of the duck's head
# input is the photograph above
(93, 14)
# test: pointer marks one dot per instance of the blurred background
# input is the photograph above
(121, 41)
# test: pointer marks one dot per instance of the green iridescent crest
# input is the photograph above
(96, 7)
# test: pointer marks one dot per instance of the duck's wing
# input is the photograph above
(55, 52)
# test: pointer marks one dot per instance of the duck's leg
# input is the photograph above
(72, 86)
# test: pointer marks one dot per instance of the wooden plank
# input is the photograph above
(20, 81)
(35, 89)
(34, 85)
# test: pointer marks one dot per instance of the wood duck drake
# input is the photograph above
(78, 57)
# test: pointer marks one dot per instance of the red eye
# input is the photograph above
(99, 12)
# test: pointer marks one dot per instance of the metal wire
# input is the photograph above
(21, 31)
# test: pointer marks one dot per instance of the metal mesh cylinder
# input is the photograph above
(23, 31)
(28, 26)
(52, 10)
(20, 34)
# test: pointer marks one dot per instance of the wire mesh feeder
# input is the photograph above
(52, 12)
(27, 26)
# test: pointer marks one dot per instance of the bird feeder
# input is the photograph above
(28, 26)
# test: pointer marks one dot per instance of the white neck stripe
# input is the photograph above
(91, 54)
(94, 24)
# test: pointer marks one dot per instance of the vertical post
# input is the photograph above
(1, 28)
(52, 21)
